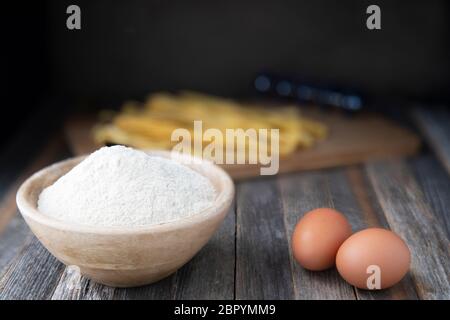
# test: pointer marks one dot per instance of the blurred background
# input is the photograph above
(128, 49)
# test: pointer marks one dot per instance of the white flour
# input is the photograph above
(120, 186)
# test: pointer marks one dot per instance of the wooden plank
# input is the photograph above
(435, 183)
(434, 124)
(73, 286)
(33, 275)
(210, 274)
(263, 267)
(12, 241)
(301, 193)
(371, 213)
(351, 140)
(162, 290)
(409, 215)
(352, 195)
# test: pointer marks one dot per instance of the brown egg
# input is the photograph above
(317, 238)
(372, 252)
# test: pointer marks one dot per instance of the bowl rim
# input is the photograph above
(29, 210)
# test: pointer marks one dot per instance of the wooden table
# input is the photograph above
(249, 257)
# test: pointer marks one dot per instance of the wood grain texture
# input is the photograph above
(12, 241)
(351, 194)
(372, 214)
(301, 193)
(410, 216)
(210, 274)
(434, 124)
(73, 286)
(161, 290)
(263, 268)
(33, 275)
(351, 140)
(435, 183)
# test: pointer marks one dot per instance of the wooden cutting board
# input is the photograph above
(351, 140)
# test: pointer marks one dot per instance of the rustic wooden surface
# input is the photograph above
(250, 257)
(436, 129)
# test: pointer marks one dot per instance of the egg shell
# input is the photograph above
(373, 247)
(317, 238)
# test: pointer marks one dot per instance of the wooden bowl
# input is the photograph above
(125, 256)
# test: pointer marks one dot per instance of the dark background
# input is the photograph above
(127, 49)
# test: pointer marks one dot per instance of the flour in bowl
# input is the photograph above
(120, 186)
